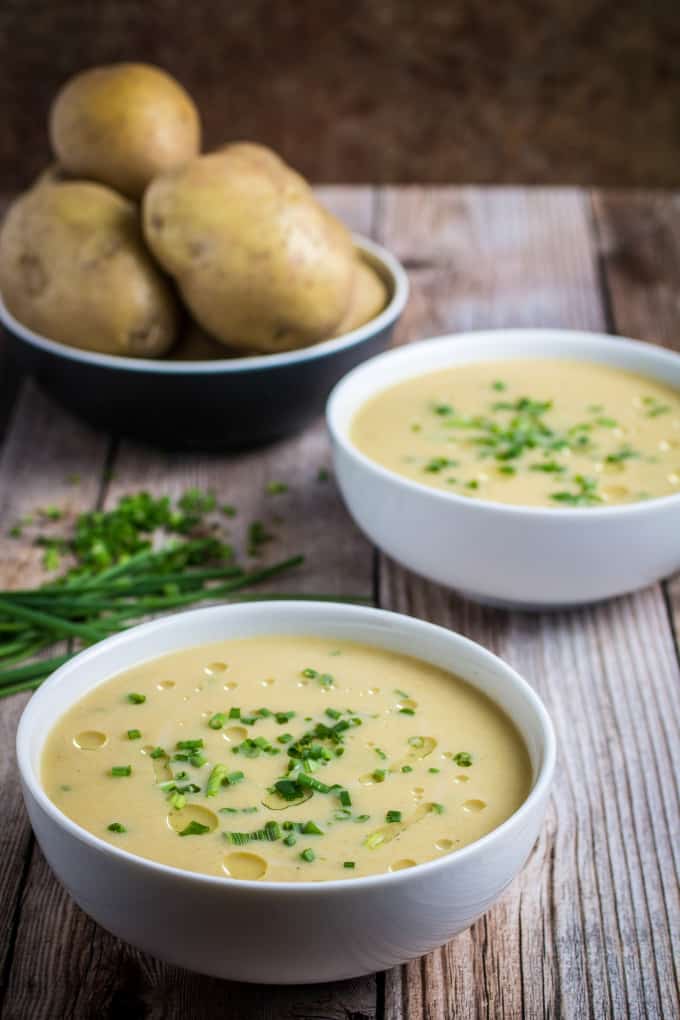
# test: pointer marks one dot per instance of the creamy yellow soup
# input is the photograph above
(286, 759)
(542, 432)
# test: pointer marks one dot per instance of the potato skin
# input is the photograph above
(262, 266)
(122, 124)
(367, 299)
(73, 267)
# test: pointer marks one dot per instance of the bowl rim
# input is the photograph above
(392, 267)
(340, 432)
(332, 611)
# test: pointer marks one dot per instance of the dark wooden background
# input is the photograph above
(553, 91)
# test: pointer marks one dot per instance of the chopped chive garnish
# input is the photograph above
(248, 720)
(134, 734)
(215, 780)
(326, 680)
(116, 827)
(345, 798)
(264, 713)
(274, 488)
(311, 829)
(121, 770)
(285, 738)
(407, 711)
(463, 758)
(290, 839)
(157, 752)
(178, 800)
(379, 775)
(438, 809)
(311, 674)
(374, 840)
(189, 745)
(308, 855)
(217, 721)
(499, 386)
(333, 713)
(393, 816)
(234, 713)
(380, 753)
(195, 829)
(434, 770)
(349, 864)
(283, 717)
(136, 699)
(362, 818)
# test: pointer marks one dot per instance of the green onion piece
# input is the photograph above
(393, 816)
(283, 717)
(326, 680)
(217, 721)
(290, 839)
(345, 798)
(308, 855)
(379, 775)
(215, 780)
(157, 752)
(374, 840)
(333, 713)
(234, 777)
(285, 738)
(234, 713)
(311, 829)
(362, 818)
(407, 768)
(136, 699)
(463, 758)
(197, 759)
(263, 712)
(438, 809)
(248, 720)
(195, 829)
(116, 827)
(121, 770)
(407, 711)
(310, 673)
(349, 864)
(381, 754)
(189, 745)
(178, 800)
(433, 770)
(134, 734)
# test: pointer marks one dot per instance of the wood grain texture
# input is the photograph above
(587, 929)
(44, 445)
(100, 975)
(639, 241)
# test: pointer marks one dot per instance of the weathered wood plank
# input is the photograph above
(101, 975)
(586, 930)
(639, 239)
(43, 447)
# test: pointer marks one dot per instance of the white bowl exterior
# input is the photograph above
(276, 932)
(516, 555)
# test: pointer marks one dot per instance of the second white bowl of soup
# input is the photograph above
(283, 792)
(536, 468)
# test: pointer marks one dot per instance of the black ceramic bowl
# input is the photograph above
(208, 405)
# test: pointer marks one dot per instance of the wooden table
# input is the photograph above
(589, 928)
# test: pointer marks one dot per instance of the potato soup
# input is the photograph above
(286, 758)
(542, 432)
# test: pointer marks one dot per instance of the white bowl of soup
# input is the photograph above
(532, 468)
(286, 792)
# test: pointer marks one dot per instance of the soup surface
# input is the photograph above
(286, 759)
(529, 432)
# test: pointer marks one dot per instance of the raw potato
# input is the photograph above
(122, 124)
(262, 266)
(73, 267)
(368, 298)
